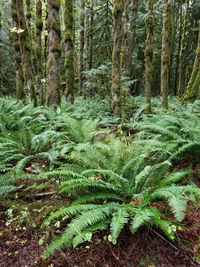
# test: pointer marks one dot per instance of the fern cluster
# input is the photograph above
(114, 171)
(111, 198)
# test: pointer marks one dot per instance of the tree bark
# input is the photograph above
(20, 92)
(183, 51)
(1, 73)
(193, 87)
(165, 54)
(69, 44)
(82, 44)
(116, 56)
(54, 51)
(149, 55)
(131, 39)
(25, 46)
(39, 52)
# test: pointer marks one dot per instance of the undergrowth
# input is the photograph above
(115, 172)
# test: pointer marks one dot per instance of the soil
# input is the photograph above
(22, 242)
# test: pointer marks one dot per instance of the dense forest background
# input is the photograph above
(113, 49)
(99, 133)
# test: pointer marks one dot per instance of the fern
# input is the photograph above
(119, 219)
(142, 217)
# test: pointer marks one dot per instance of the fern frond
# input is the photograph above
(76, 184)
(63, 174)
(119, 219)
(142, 217)
(174, 177)
(77, 226)
(103, 196)
(175, 198)
(72, 210)
(7, 189)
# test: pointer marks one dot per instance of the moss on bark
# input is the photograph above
(82, 43)
(69, 46)
(116, 56)
(149, 54)
(20, 92)
(54, 51)
(39, 52)
(165, 54)
(131, 39)
(1, 74)
(25, 47)
(183, 50)
(193, 87)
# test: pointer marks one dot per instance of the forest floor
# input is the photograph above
(23, 240)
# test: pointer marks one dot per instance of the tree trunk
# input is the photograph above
(125, 37)
(20, 92)
(69, 43)
(149, 54)
(26, 52)
(183, 51)
(54, 51)
(131, 39)
(39, 53)
(91, 36)
(165, 55)
(28, 20)
(82, 44)
(116, 56)
(1, 73)
(193, 87)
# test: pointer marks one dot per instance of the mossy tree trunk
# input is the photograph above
(87, 38)
(149, 54)
(1, 73)
(193, 87)
(28, 20)
(82, 44)
(26, 52)
(45, 44)
(69, 44)
(165, 54)
(116, 56)
(131, 39)
(125, 37)
(20, 92)
(90, 64)
(183, 50)
(54, 51)
(39, 52)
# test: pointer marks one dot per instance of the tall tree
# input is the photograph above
(1, 74)
(20, 92)
(82, 44)
(25, 44)
(89, 17)
(39, 52)
(183, 50)
(116, 56)
(165, 55)
(149, 54)
(54, 51)
(131, 39)
(69, 43)
(90, 64)
(193, 87)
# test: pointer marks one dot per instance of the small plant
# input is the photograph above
(107, 199)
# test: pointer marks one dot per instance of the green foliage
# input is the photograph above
(115, 199)
(114, 173)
